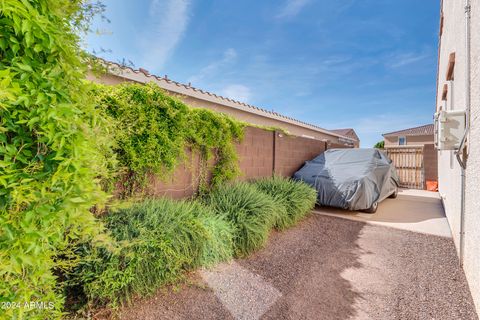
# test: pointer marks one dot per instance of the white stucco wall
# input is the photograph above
(453, 40)
(472, 204)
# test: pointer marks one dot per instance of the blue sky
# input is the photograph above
(366, 64)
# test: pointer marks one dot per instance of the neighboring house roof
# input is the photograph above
(416, 131)
(143, 76)
(347, 132)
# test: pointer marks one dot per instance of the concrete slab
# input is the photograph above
(246, 295)
(413, 210)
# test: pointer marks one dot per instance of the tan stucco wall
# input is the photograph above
(411, 140)
(238, 114)
(453, 40)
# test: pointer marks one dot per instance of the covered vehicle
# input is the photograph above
(353, 179)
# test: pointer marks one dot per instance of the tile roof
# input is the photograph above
(187, 89)
(347, 132)
(416, 131)
(343, 132)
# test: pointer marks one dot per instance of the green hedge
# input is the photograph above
(218, 246)
(252, 212)
(61, 139)
(157, 239)
(296, 197)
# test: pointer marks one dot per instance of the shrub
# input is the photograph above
(250, 211)
(218, 246)
(296, 197)
(159, 239)
(49, 160)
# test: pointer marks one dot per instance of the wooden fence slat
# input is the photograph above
(409, 164)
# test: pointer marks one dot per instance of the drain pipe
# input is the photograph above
(461, 150)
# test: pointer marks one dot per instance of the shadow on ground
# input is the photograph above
(305, 264)
(331, 268)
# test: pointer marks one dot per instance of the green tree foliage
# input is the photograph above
(153, 130)
(50, 164)
(379, 145)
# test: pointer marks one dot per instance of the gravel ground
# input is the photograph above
(330, 268)
(245, 294)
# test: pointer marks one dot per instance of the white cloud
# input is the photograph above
(168, 23)
(237, 92)
(404, 59)
(291, 8)
(228, 57)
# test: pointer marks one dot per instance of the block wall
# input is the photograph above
(261, 153)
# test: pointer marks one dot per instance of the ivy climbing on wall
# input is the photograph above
(153, 129)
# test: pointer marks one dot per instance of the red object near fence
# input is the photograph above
(432, 185)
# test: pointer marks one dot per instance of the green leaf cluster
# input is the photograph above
(50, 159)
(153, 130)
(380, 144)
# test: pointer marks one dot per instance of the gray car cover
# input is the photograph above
(351, 179)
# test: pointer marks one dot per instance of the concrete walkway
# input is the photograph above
(413, 210)
(397, 264)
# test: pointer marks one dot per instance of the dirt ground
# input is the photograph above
(326, 268)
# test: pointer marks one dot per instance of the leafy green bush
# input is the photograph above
(153, 130)
(218, 246)
(253, 214)
(50, 164)
(158, 240)
(380, 144)
(147, 120)
(296, 197)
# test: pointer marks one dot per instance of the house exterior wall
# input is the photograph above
(453, 40)
(472, 209)
(350, 133)
(419, 140)
(243, 115)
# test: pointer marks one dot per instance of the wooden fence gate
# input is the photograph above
(409, 163)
